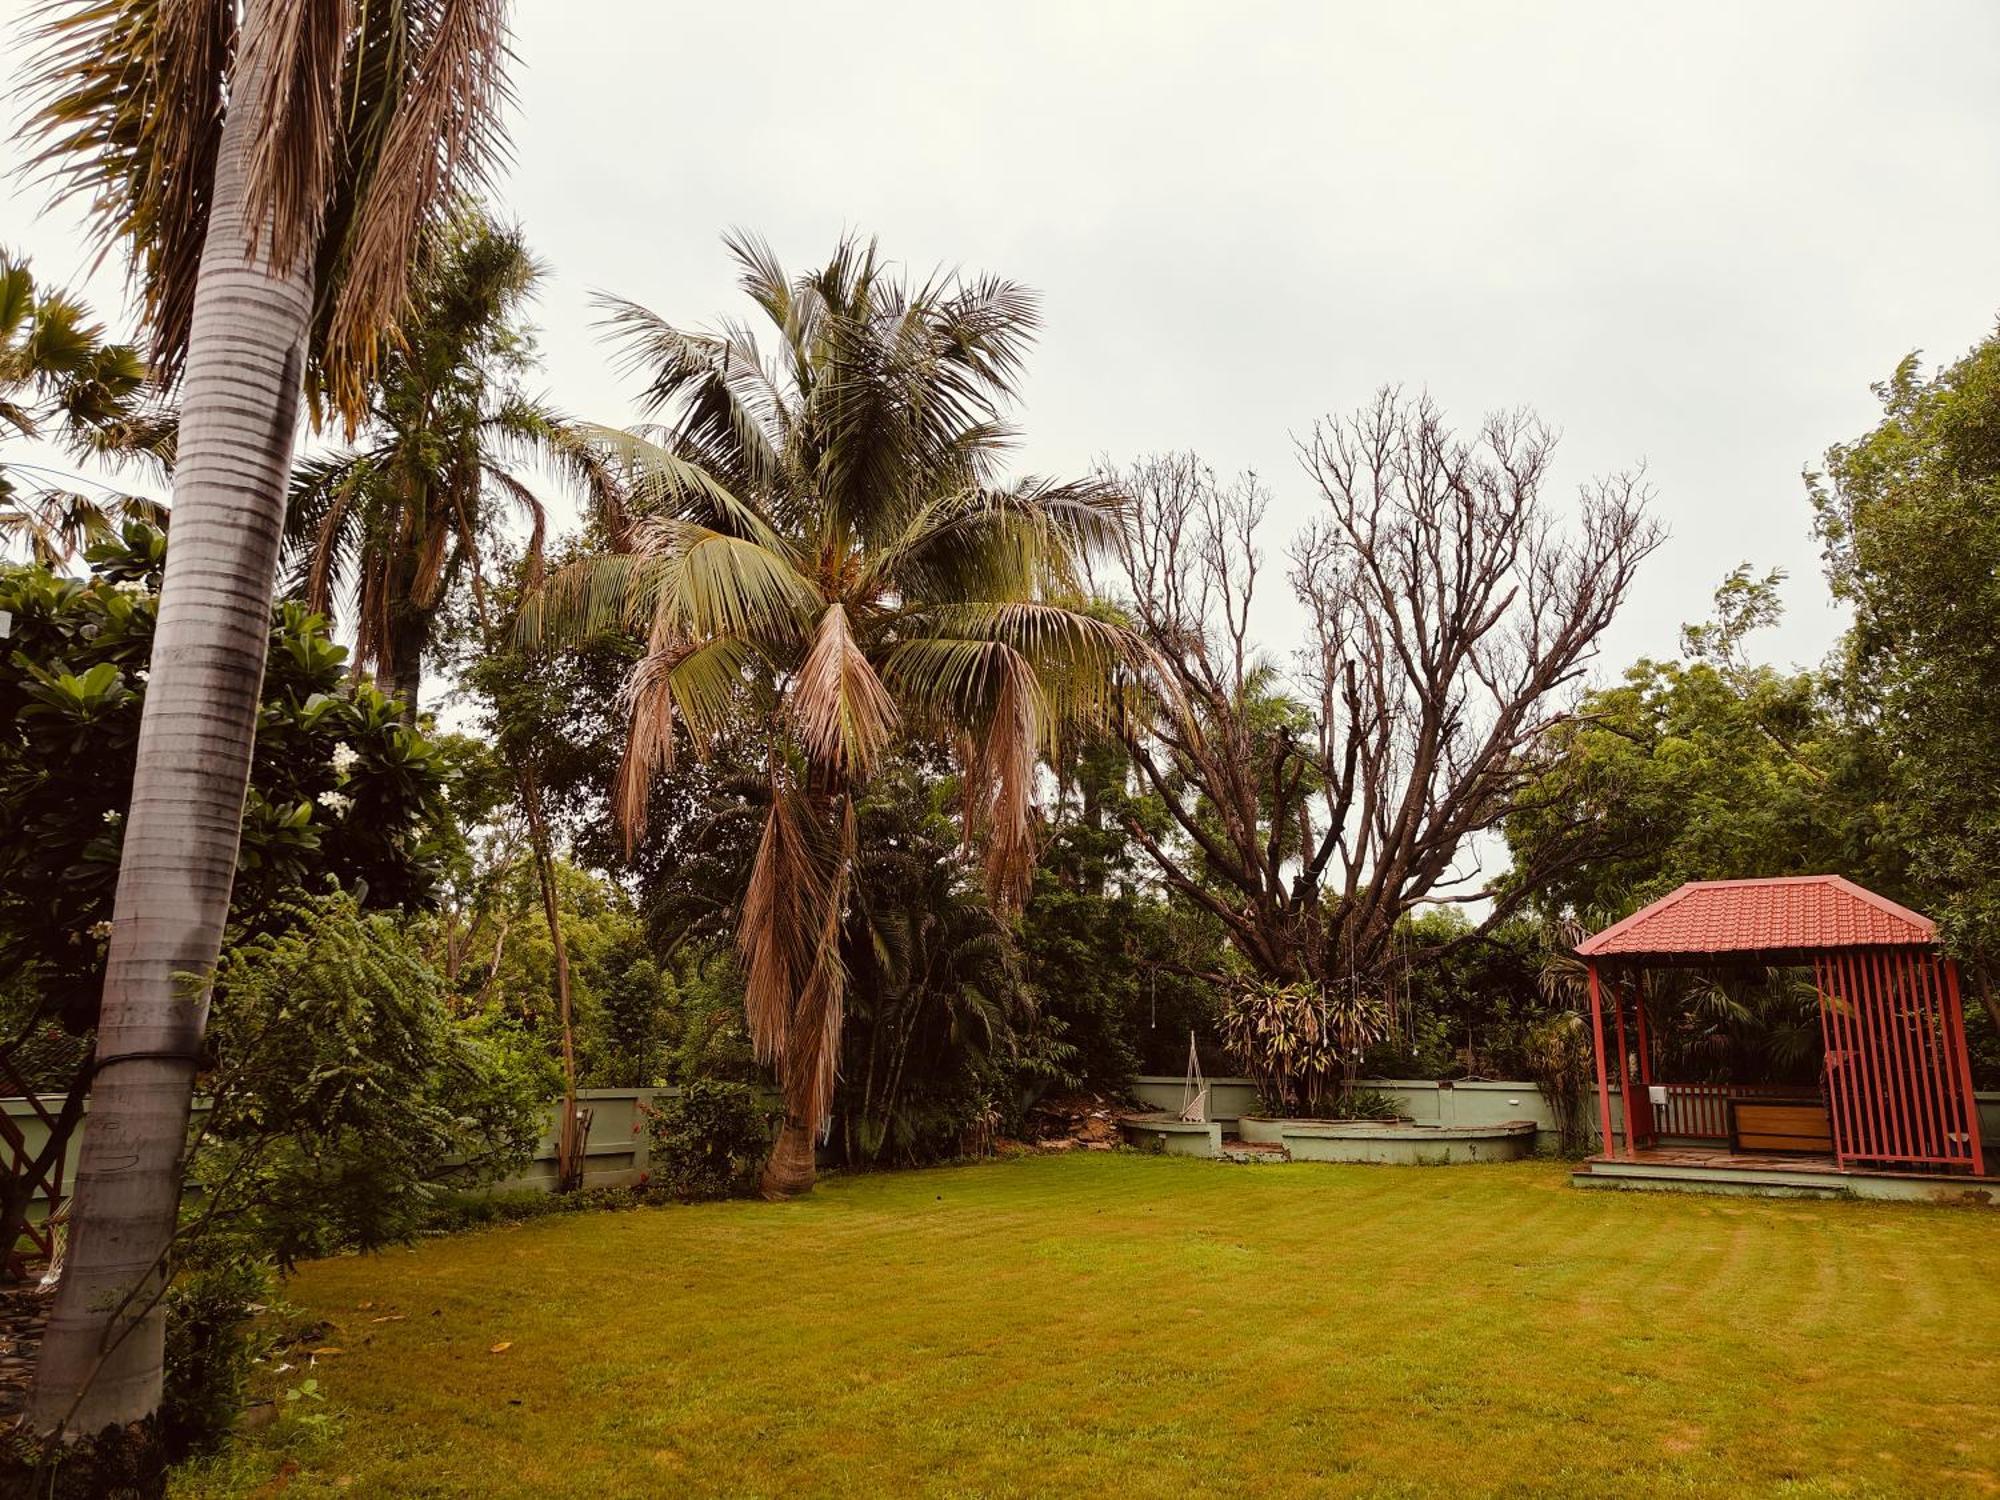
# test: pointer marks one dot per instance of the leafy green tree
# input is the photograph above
(830, 555)
(623, 1002)
(340, 789)
(1122, 970)
(1704, 768)
(938, 1021)
(344, 1093)
(1908, 516)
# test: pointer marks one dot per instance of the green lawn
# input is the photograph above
(1151, 1327)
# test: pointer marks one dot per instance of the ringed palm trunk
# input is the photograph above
(101, 1360)
(403, 678)
(790, 1171)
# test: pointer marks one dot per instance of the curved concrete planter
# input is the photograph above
(1404, 1144)
(1171, 1136)
(1398, 1142)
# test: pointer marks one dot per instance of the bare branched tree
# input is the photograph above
(1449, 618)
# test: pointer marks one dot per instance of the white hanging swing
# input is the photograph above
(1194, 1095)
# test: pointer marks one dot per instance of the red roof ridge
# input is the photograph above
(1789, 921)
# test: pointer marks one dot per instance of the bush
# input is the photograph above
(454, 1213)
(1365, 1104)
(210, 1349)
(345, 1097)
(1559, 1060)
(1303, 1045)
(709, 1142)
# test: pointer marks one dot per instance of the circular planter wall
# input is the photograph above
(1399, 1141)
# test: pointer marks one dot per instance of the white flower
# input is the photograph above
(113, 816)
(100, 929)
(131, 586)
(335, 803)
(143, 675)
(344, 755)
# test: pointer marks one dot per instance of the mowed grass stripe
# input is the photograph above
(1112, 1325)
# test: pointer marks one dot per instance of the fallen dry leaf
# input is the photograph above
(389, 1318)
(502, 1347)
(330, 1349)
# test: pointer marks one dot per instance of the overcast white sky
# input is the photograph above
(1690, 235)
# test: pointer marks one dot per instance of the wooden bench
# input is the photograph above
(1797, 1126)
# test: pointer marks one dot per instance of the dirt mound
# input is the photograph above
(1069, 1122)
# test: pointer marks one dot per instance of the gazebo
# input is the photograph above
(1895, 1084)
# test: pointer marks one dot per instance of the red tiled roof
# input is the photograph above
(1788, 914)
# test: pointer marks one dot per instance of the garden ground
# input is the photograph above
(1122, 1325)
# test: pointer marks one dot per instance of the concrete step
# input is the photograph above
(1253, 1152)
(1763, 1182)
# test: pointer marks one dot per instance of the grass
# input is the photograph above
(1133, 1326)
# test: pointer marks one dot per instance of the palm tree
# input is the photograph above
(61, 381)
(827, 551)
(272, 166)
(414, 507)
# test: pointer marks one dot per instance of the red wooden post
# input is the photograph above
(1834, 1061)
(1624, 1069)
(1954, 1016)
(1597, 1035)
(1937, 1057)
(1645, 1057)
(1894, 1064)
(1874, 1095)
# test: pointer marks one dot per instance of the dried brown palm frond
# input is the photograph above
(784, 913)
(130, 119)
(1000, 779)
(842, 713)
(301, 47)
(443, 135)
(808, 1058)
(376, 117)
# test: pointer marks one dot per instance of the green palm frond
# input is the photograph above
(657, 482)
(725, 406)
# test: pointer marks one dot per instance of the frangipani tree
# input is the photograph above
(829, 557)
(271, 166)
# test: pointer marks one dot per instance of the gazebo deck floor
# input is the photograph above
(1722, 1159)
(1717, 1170)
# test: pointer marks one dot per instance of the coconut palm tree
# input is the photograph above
(410, 511)
(828, 552)
(62, 381)
(272, 164)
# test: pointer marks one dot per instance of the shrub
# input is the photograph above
(210, 1349)
(709, 1141)
(1559, 1061)
(345, 1097)
(1365, 1104)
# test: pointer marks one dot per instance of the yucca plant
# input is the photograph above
(271, 166)
(829, 555)
(1299, 1042)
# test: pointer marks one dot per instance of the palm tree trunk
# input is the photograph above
(570, 1134)
(790, 1170)
(100, 1361)
(403, 676)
